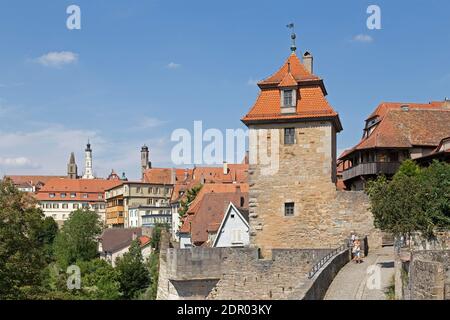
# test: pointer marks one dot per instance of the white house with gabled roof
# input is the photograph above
(234, 231)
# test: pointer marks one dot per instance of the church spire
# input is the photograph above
(88, 162)
(72, 170)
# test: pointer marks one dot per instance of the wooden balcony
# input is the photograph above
(114, 209)
(116, 220)
(371, 168)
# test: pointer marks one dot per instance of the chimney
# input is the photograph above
(447, 103)
(173, 176)
(134, 237)
(225, 167)
(308, 62)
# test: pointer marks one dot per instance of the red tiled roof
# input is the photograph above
(311, 102)
(206, 190)
(210, 212)
(114, 239)
(296, 68)
(420, 125)
(237, 174)
(383, 107)
(33, 180)
(163, 175)
(288, 81)
(216, 188)
(91, 187)
(144, 240)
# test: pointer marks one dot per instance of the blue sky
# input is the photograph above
(139, 69)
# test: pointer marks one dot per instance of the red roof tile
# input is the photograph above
(91, 187)
(311, 103)
(211, 212)
(33, 180)
(296, 68)
(418, 125)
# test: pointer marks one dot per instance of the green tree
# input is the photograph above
(134, 276)
(156, 234)
(77, 240)
(22, 255)
(435, 194)
(414, 200)
(191, 194)
(100, 281)
(46, 236)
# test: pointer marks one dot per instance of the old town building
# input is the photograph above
(228, 174)
(30, 184)
(61, 196)
(392, 133)
(141, 199)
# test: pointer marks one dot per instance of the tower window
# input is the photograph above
(287, 98)
(289, 135)
(289, 209)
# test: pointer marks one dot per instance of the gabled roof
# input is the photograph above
(311, 103)
(296, 68)
(115, 239)
(416, 125)
(210, 210)
(288, 81)
(92, 187)
(237, 174)
(216, 188)
(163, 175)
(242, 213)
(33, 180)
(383, 107)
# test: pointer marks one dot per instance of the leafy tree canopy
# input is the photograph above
(22, 239)
(77, 240)
(134, 276)
(415, 199)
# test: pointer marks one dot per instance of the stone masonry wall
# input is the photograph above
(231, 273)
(429, 275)
(323, 217)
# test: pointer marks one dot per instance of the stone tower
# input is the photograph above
(145, 163)
(88, 162)
(292, 151)
(72, 170)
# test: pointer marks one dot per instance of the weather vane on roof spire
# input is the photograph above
(293, 36)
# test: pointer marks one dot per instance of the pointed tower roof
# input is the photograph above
(72, 158)
(310, 105)
(293, 66)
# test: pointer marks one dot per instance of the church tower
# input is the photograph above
(72, 170)
(292, 155)
(145, 162)
(88, 162)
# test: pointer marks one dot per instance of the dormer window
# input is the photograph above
(288, 100)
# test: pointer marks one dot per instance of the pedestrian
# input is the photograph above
(356, 250)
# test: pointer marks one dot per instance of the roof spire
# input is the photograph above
(293, 37)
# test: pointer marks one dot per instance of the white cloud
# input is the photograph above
(57, 59)
(173, 65)
(149, 122)
(18, 162)
(47, 150)
(365, 38)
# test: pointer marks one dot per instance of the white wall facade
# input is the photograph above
(234, 230)
(60, 210)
